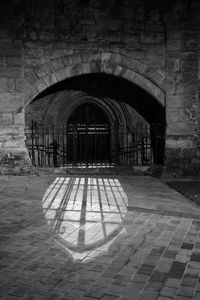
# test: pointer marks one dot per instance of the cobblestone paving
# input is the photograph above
(115, 249)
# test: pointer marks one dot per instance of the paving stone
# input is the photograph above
(195, 257)
(158, 276)
(170, 254)
(177, 269)
(168, 292)
(155, 285)
(35, 262)
(143, 278)
(188, 246)
(192, 272)
(186, 291)
(146, 269)
(189, 281)
(149, 294)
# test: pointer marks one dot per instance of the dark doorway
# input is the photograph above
(88, 135)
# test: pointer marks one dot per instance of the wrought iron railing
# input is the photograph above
(93, 145)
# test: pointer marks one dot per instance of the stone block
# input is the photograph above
(31, 51)
(189, 63)
(63, 74)
(19, 119)
(3, 84)
(61, 52)
(3, 61)
(175, 101)
(68, 60)
(106, 56)
(11, 101)
(193, 113)
(5, 43)
(57, 63)
(7, 119)
(39, 85)
(187, 87)
(158, 77)
(168, 291)
(191, 43)
(13, 71)
(14, 61)
(183, 114)
(14, 143)
(173, 63)
(43, 70)
(174, 44)
(4, 33)
(32, 35)
(11, 85)
(7, 85)
(179, 143)
(10, 51)
(154, 15)
(24, 87)
(30, 76)
(152, 38)
(5, 132)
(59, 44)
(172, 115)
(50, 79)
(46, 35)
(95, 67)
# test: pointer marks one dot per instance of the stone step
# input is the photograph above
(133, 170)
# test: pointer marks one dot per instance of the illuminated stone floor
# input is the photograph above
(96, 237)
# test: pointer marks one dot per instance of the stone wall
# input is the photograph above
(154, 44)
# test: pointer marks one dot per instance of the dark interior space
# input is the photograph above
(103, 86)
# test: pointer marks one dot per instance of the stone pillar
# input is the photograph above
(14, 157)
(182, 93)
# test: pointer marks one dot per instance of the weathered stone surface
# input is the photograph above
(182, 162)
(11, 101)
(7, 119)
(16, 165)
(180, 128)
(153, 45)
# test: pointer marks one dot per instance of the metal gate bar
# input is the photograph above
(91, 145)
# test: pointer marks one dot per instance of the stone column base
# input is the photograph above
(182, 162)
(16, 164)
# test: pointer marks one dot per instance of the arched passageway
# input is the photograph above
(132, 123)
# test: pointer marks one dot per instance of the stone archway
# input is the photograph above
(58, 69)
(40, 78)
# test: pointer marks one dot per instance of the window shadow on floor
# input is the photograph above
(85, 213)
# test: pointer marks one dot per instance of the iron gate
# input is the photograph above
(92, 145)
(69, 145)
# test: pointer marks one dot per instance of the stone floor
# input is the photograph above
(96, 237)
(189, 187)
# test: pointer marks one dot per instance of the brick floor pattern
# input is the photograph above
(157, 256)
